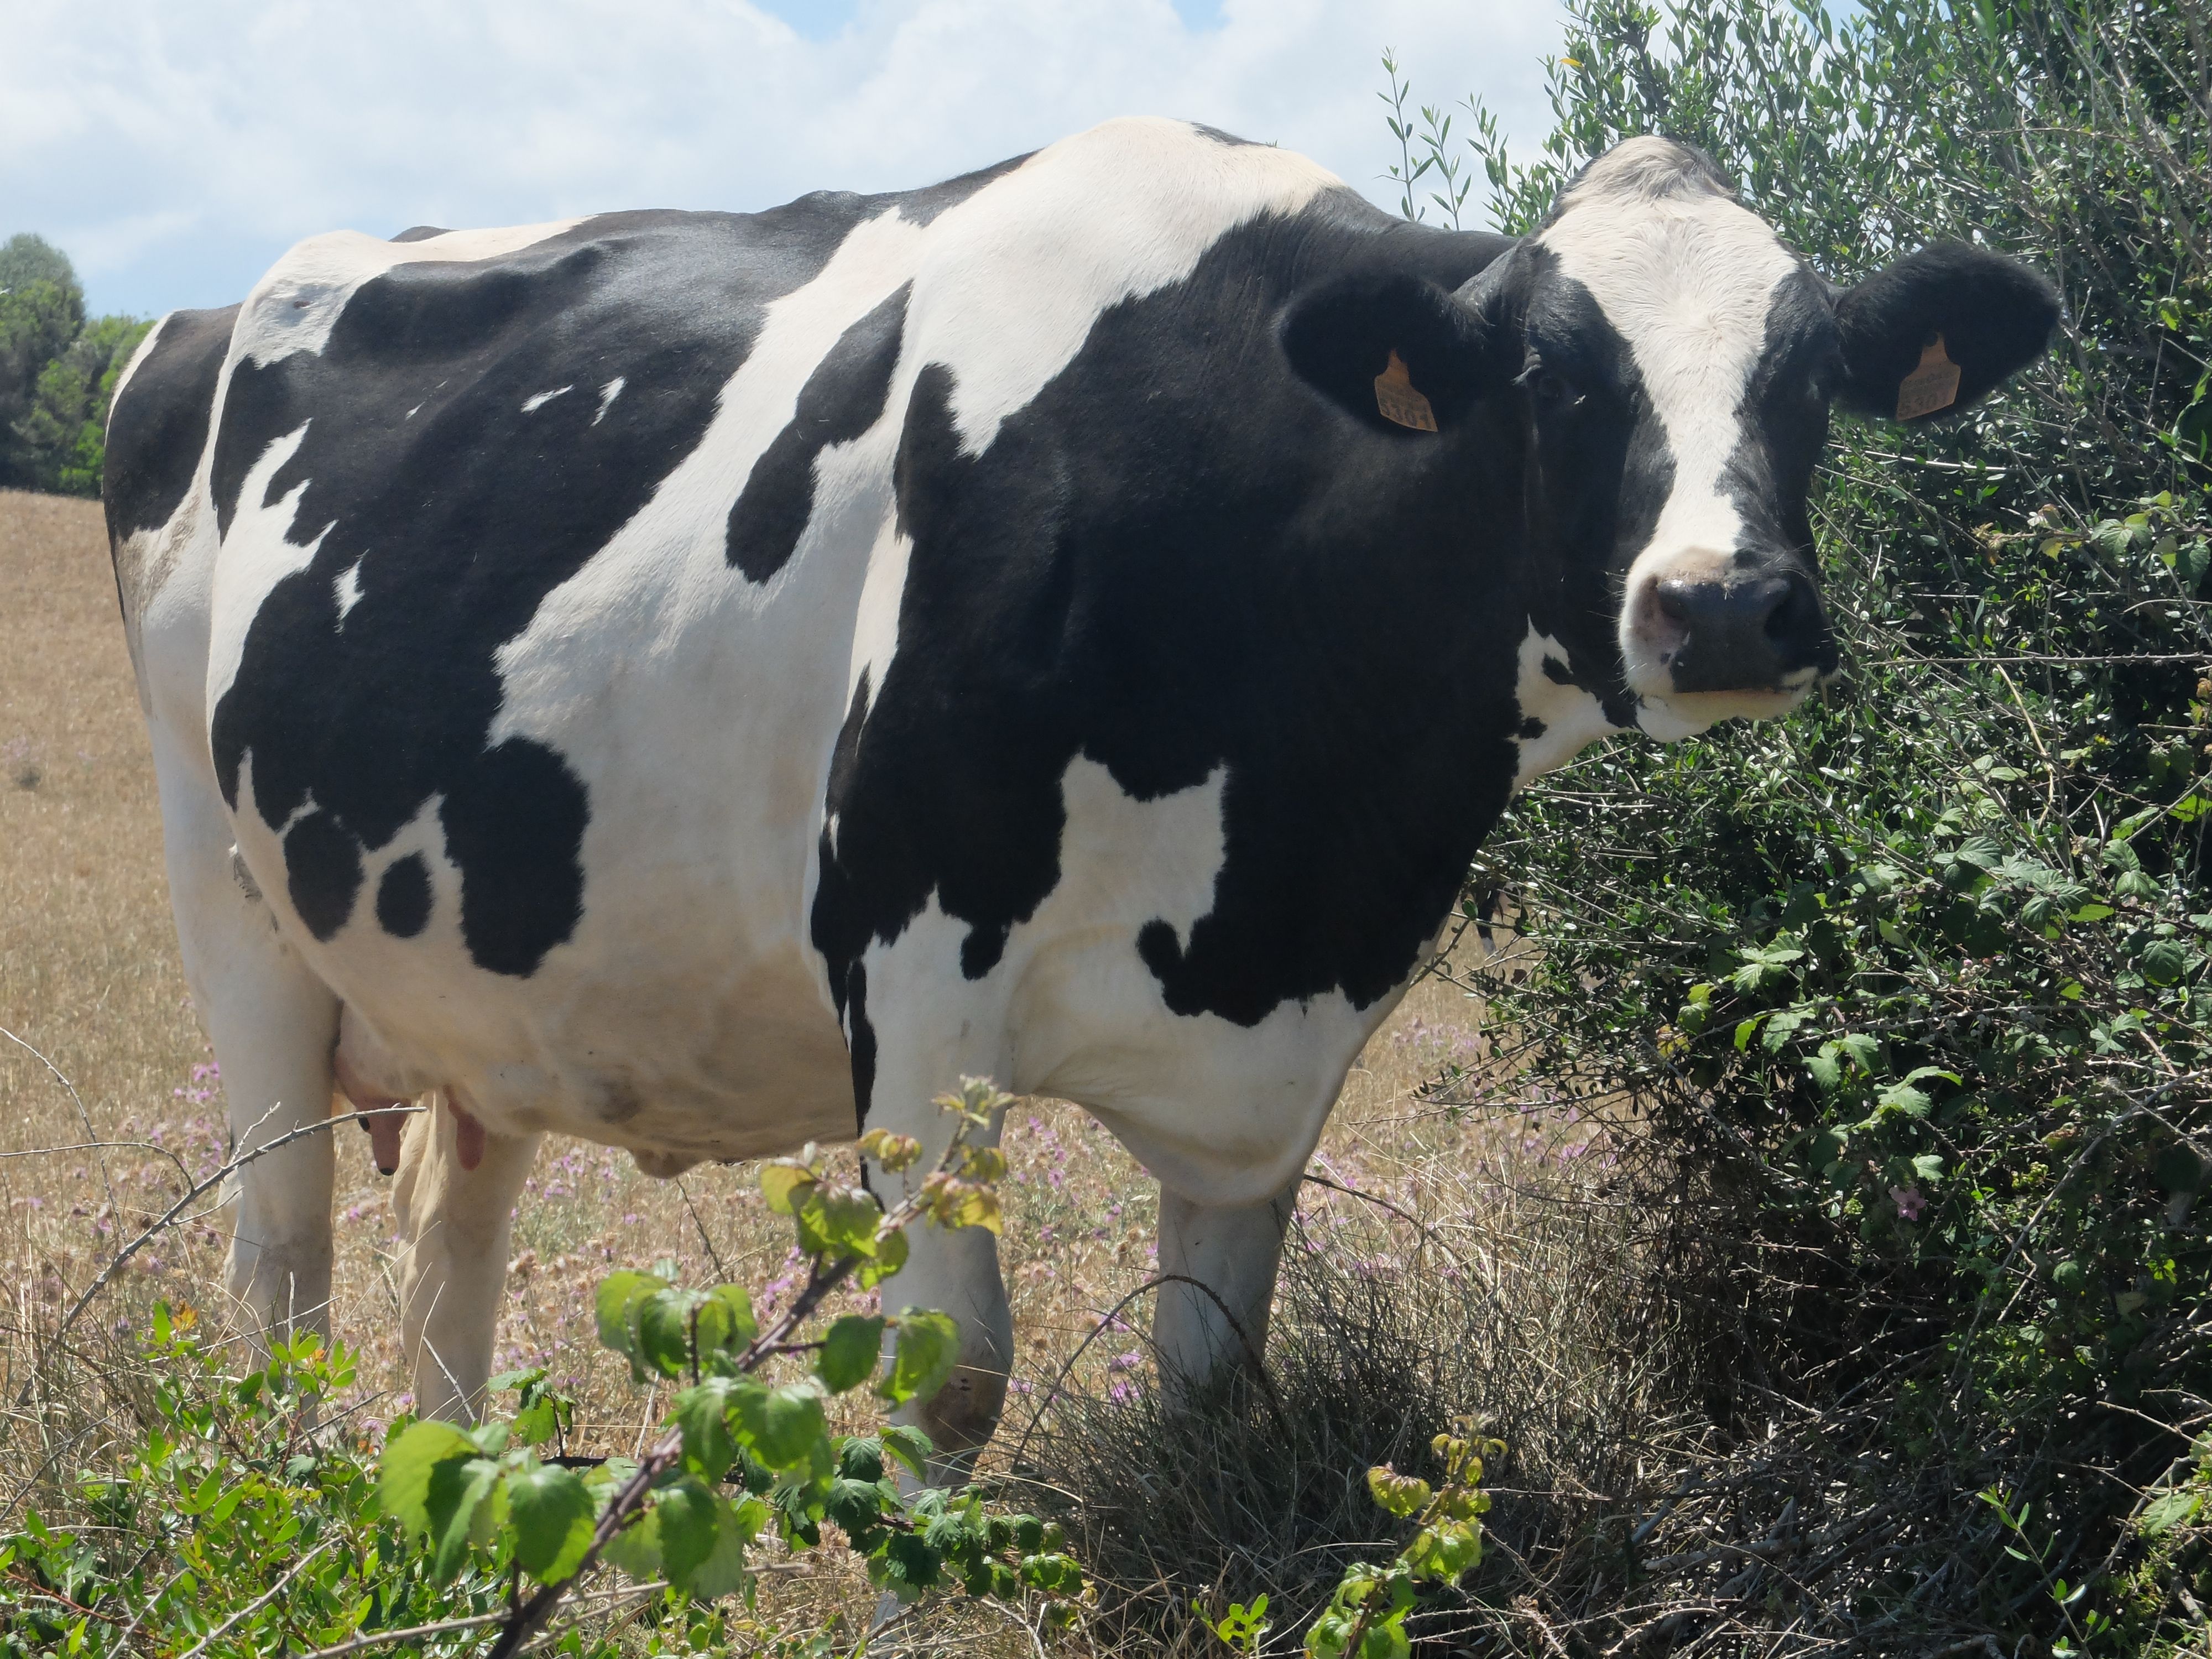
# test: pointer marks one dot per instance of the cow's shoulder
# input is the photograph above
(1134, 536)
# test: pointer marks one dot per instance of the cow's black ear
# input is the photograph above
(1994, 315)
(1341, 336)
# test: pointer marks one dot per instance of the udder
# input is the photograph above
(374, 1080)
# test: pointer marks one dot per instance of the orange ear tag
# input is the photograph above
(1933, 386)
(1397, 400)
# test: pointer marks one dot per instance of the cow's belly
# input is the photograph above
(685, 1014)
(677, 1055)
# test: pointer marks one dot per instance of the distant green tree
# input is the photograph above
(25, 259)
(58, 371)
(59, 443)
(41, 311)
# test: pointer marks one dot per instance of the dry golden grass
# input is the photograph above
(89, 976)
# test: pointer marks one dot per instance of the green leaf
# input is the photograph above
(553, 1515)
(1865, 1053)
(2137, 884)
(637, 1548)
(403, 1476)
(702, 1415)
(849, 1352)
(890, 1257)
(1402, 1495)
(1903, 1099)
(792, 1425)
(910, 1445)
(2164, 962)
(620, 1297)
(839, 1222)
(1980, 852)
(460, 1515)
(1827, 1074)
(664, 1329)
(702, 1537)
(785, 1185)
(782, 1425)
(1922, 1074)
(2168, 1510)
(1444, 1551)
(725, 1325)
(688, 1523)
(927, 1352)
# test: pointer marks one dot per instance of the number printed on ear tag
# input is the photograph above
(1397, 400)
(1933, 386)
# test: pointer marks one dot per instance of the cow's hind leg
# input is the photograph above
(454, 1198)
(273, 1024)
(1233, 1250)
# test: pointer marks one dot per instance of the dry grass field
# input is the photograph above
(89, 978)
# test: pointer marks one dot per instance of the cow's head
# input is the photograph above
(1670, 366)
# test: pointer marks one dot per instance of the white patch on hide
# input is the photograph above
(255, 556)
(1572, 718)
(348, 589)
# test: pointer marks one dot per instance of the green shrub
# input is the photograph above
(240, 1517)
(1911, 987)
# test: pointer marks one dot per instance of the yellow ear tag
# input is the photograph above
(1933, 386)
(1397, 400)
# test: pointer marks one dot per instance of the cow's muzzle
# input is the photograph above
(1743, 631)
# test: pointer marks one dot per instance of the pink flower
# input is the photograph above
(1125, 1362)
(1910, 1201)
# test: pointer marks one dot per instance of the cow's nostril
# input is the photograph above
(1789, 612)
(1675, 599)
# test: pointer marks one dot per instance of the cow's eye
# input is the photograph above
(1551, 390)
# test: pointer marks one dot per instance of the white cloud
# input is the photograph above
(175, 147)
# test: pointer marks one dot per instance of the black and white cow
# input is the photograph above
(701, 682)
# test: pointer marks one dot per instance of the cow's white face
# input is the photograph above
(1714, 344)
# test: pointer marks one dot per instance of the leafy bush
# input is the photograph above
(236, 1519)
(1911, 988)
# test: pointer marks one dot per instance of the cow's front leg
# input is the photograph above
(1233, 1250)
(956, 1273)
(454, 1198)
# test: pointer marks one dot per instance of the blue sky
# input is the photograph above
(174, 147)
